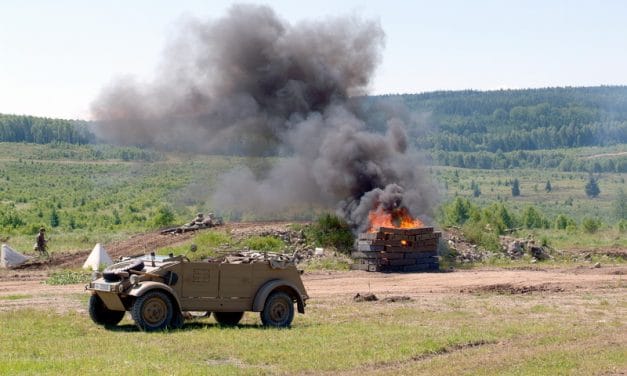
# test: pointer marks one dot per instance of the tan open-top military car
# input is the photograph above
(158, 291)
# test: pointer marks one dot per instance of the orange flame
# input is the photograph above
(399, 218)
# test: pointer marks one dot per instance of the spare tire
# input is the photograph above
(110, 273)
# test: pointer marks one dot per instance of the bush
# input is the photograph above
(9, 218)
(458, 211)
(622, 226)
(331, 231)
(164, 217)
(562, 222)
(265, 243)
(32, 229)
(531, 218)
(482, 234)
(591, 225)
(496, 218)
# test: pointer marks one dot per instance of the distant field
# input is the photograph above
(567, 196)
(102, 193)
(99, 199)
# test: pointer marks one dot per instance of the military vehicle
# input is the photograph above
(159, 291)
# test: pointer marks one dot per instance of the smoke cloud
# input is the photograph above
(252, 84)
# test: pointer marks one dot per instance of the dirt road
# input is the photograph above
(24, 288)
(31, 292)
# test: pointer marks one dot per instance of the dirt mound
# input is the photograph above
(58, 260)
(145, 243)
(510, 289)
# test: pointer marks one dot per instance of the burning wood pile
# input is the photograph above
(396, 243)
(397, 250)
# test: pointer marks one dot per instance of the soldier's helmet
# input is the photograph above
(41, 229)
(199, 215)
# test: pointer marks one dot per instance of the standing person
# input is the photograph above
(42, 243)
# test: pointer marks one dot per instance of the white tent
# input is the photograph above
(10, 258)
(97, 258)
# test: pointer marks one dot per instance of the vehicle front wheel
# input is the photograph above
(152, 311)
(177, 321)
(102, 315)
(228, 318)
(278, 310)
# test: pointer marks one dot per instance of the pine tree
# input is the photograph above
(476, 192)
(592, 188)
(515, 188)
(620, 205)
(54, 218)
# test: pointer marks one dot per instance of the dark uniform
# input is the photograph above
(42, 243)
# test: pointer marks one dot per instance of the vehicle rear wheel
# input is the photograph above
(152, 311)
(278, 310)
(102, 315)
(228, 318)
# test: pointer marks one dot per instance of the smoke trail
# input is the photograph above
(253, 84)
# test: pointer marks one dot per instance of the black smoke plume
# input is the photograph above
(252, 84)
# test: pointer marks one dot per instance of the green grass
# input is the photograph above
(337, 262)
(68, 277)
(264, 243)
(15, 297)
(565, 240)
(538, 334)
(209, 244)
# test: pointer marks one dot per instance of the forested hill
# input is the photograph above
(475, 129)
(508, 120)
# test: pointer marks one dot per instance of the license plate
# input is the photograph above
(102, 287)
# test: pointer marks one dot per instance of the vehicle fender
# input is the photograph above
(144, 287)
(281, 285)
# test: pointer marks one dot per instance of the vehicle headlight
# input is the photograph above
(134, 279)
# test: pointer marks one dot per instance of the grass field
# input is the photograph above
(567, 196)
(547, 333)
(100, 197)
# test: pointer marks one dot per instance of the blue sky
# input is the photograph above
(55, 56)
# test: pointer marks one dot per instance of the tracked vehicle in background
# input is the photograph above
(158, 291)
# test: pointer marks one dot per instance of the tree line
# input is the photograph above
(559, 159)
(497, 122)
(39, 130)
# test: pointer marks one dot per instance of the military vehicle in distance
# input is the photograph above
(159, 291)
